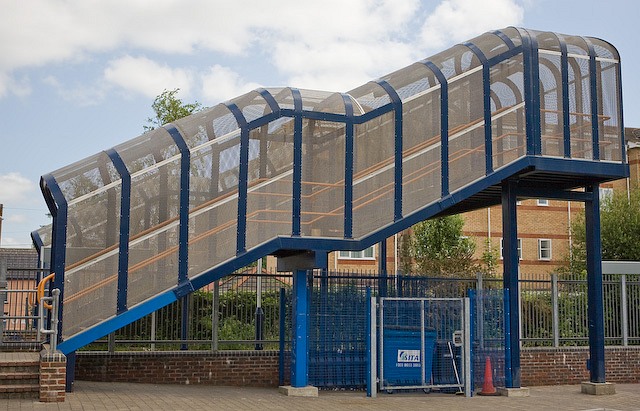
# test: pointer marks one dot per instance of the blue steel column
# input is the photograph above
(300, 341)
(123, 245)
(564, 69)
(486, 99)
(57, 204)
(593, 84)
(243, 178)
(444, 126)
(595, 305)
(183, 243)
(531, 92)
(297, 163)
(348, 167)
(382, 268)
(510, 282)
(397, 111)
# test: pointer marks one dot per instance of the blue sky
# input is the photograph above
(79, 76)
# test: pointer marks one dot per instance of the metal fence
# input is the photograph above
(19, 316)
(553, 310)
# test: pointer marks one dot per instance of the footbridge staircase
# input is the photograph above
(513, 113)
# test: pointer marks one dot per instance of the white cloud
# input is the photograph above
(458, 20)
(16, 189)
(82, 95)
(17, 218)
(331, 44)
(222, 83)
(146, 76)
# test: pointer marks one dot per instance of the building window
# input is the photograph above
(544, 249)
(366, 254)
(543, 202)
(605, 194)
(519, 248)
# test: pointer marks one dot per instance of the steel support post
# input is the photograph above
(595, 303)
(510, 281)
(300, 342)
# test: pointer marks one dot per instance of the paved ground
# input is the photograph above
(128, 396)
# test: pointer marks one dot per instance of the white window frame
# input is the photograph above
(358, 255)
(542, 249)
(543, 202)
(605, 193)
(519, 248)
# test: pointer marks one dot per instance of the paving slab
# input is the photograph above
(130, 396)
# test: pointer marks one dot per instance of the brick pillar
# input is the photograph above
(53, 370)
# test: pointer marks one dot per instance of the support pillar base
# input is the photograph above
(598, 388)
(289, 391)
(513, 392)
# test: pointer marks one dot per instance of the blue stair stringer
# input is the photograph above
(141, 225)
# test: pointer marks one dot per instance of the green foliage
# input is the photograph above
(440, 249)
(405, 253)
(168, 107)
(490, 259)
(620, 230)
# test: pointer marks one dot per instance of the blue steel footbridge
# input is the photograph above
(295, 173)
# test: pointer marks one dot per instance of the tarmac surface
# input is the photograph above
(129, 396)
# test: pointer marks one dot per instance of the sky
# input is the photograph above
(79, 76)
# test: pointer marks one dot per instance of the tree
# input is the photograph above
(619, 229)
(168, 107)
(439, 247)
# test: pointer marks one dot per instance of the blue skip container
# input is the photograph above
(402, 360)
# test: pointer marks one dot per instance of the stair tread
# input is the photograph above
(18, 375)
(19, 388)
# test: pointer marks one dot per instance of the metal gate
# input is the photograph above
(422, 343)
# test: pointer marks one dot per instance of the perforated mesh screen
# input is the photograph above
(507, 112)
(373, 174)
(323, 169)
(609, 128)
(466, 131)
(269, 205)
(551, 122)
(93, 190)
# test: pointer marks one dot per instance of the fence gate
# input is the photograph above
(423, 343)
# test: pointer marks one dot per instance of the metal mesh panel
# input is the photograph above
(323, 164)
(368, 97)
(552, 124)
(154, 163)
(422, 156)
(579, 98)
(609, 127)
(488, 333)
(214, 199)
(490, 44)
(466, 131)
(337, 334)
(373, 178)
(92, 231)
(252, 105)
(633, 317)
(213, 140)
(455, 61)
(508, 119)
(323, 101)
(269, 205)
(404, 324)
(204, 126)
(283, 97)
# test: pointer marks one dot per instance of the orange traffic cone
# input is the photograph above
(487, 387)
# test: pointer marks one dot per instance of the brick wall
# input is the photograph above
(235, 368)
(540, 366)
(547, 366)
(53, 371)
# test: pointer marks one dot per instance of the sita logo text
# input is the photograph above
(409, 356)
